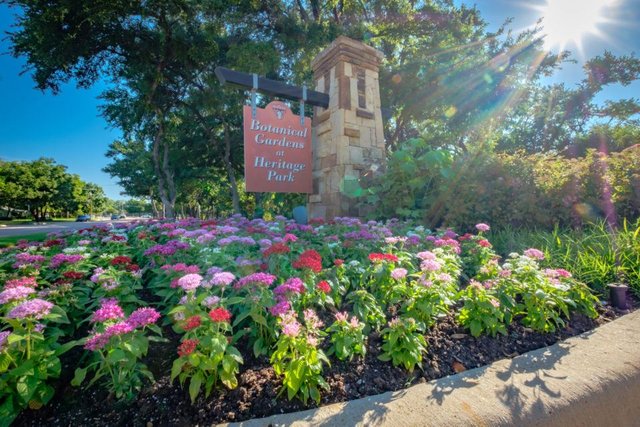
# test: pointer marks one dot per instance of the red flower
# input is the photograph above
(220, 315)
(276, 248)
(133, 267)
(192, 323)
(121, 260)
(142, 235)
(316, 221)
(187, 347)
(309, 259)
(54, 242)
(484, 243)
(338, 262)
(376, 257)
(74, 275)
(324, 286)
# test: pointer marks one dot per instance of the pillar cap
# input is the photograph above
(345, 49)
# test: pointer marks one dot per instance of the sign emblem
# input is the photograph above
(277, 150)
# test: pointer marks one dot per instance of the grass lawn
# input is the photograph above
(27, 221)
(12, 240)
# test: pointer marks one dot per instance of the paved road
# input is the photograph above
(51, 227)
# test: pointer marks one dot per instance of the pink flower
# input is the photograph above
(429, 265)
(341, 316)
(494, 302)
(482, 227)
(222, 279)
(426, 255)
(190, 282)
(399, 273)
(534, 253)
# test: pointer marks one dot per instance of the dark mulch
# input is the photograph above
(450, 350)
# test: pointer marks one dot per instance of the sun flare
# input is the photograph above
(566, 22)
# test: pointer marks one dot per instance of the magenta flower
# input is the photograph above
(59, 259)
(35, 308)
(15, 294)
(119, 329)
(143, 317)
(190, 282)
(264, 279)
(109, 310)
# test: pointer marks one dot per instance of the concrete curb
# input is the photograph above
(589, 380)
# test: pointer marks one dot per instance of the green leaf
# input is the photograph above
(194, 386)
(79, 377)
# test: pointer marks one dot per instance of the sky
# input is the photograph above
(68, 128)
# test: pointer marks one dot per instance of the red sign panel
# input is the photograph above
(277, 150)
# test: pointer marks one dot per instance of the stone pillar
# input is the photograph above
(348, 139)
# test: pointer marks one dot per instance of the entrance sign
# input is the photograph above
(277, 150)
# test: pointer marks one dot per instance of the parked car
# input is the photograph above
(146, 216)
(121, 216)
(83, 218)
(115, 216)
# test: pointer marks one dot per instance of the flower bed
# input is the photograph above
(236, 319)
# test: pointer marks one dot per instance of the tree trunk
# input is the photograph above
(233, 184)
(166, 186)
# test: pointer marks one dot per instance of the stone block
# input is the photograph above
(352, 132)
(356, 155)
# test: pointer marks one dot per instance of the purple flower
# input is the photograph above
(96, 342)
(211, 301)
(14, 294)
(143, 317)
(280, 308)
(399, 273)
(482, 227)
(264, 279)
(534, 253)
(293, 285)
(190, 282)
(35, 308)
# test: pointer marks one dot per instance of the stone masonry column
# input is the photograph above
(348, 139)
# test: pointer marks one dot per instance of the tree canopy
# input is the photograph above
(445, 78)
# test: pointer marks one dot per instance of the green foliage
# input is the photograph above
(347, 339)
(481, 312)
(518, 190)
(299, 361)
(212, 359)
(595, 255)
(118, 364)
(366, 308)
(29, 360)
(403, 343)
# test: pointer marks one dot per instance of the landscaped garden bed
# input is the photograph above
(203, 321)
